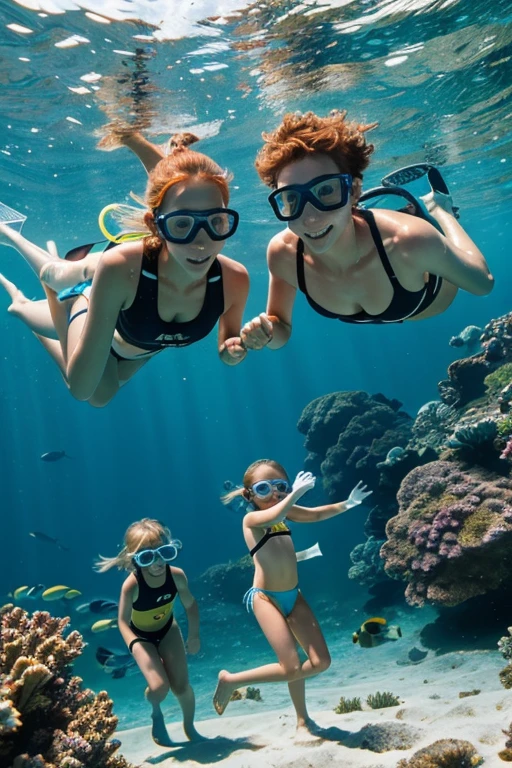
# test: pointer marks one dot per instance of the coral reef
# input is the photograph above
(506, 676)
(384, 737)
(253, 693)
(348, 705)
(469, 338)
(505, 645)
(466, 377)
(445, 753)
(46, 719)
(506, 754)
(452, 536)
(368, 566)
(230, 580)
(434, 422)
(380, 700)
(348, 434)
(465, 694)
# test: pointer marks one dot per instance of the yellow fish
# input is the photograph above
(55, 593)
(103, 624)
(374, 632)
(72, 594)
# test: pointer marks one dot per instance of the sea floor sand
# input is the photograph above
(431, 709)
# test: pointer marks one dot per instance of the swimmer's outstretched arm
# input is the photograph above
(149, 154)
(316, 514)
(453, 256)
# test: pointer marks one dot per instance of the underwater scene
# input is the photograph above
(238, 186)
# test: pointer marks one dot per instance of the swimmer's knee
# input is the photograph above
(322, 663)
(157, 691)
(292, 668)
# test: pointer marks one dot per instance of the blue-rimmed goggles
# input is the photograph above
(265, 488)
(326, 193)
(182, 226)
(166, 552)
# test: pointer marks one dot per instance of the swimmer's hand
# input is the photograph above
(303, 483)
(232, 351)
(193, 645)
(357, 495)
(258, 332)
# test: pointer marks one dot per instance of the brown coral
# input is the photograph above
(506, 676)
(445, 753)
(46, 719)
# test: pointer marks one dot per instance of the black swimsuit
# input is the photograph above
(404, 304)
(142, 326)
(152, 611)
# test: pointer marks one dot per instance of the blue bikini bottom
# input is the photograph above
(283, 600)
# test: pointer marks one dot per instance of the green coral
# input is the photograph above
(498, 379)
(424, 507)
(348, 705)
(476, 526)
(253, 693)
(505, 426)
(380, 700)
(445, 753)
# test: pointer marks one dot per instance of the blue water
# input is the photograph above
(186, 423)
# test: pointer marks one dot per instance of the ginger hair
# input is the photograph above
(248, 480)
(181, 164)
(143, 534)
(300, 135)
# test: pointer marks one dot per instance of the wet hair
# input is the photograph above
(245, 490)
(143, 534)
(181, 164)
(301, 135)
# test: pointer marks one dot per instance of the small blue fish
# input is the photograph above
(40, 536)
(54, 456)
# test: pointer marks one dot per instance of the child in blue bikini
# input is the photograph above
(275, 599)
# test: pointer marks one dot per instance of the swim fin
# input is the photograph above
(410, 173)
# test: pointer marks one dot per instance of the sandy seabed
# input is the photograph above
(431, 709)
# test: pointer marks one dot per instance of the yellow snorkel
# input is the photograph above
(122, 237)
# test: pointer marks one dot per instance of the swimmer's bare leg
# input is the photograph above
(35, 256)
(35, 314)
(62, 274)
(54, 349)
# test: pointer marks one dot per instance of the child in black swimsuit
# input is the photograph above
(275, 598)
(146, 619)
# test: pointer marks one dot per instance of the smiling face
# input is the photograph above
(319, 229)
(193, 195)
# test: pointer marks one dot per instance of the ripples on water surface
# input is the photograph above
(436, 76)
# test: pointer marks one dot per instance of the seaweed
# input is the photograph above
(348, 705)
(380, 700)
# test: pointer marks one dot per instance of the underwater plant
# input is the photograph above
(474, 435)
(348, 705)
(47, 720)
(506, 754)
(253, 693)
(445, 753)
(380, 700)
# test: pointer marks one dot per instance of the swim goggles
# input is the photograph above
(166, 552)
(326, 193)
(183, 226)
(264, 488)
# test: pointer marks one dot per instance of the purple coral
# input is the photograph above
(447, 545)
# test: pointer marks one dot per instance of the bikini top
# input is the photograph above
(154, 605)
(279, 529)
(142, 326)
(404, 304)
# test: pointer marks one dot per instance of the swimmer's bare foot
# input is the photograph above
(18, 298)
(434, 201)
(223, 692)
(159, 731)
(308, 732)
(62, 274)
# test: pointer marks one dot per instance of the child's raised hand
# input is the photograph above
(357, 495)
(303, 483)
(193, 645)
(257, 333)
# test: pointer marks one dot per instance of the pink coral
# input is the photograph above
(447, 546)
(507, 451)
